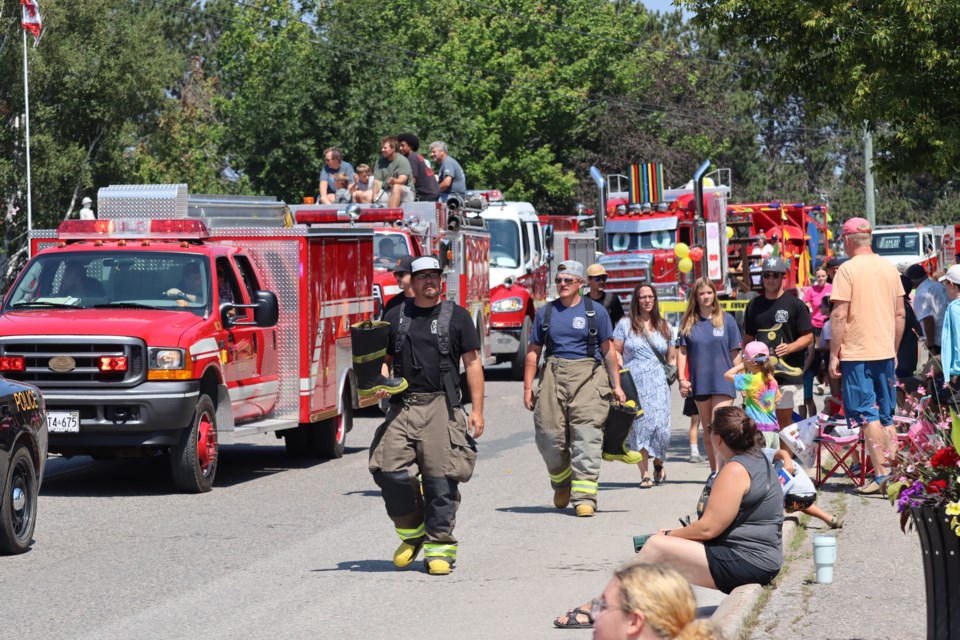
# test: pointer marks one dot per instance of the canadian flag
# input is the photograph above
(31, 17)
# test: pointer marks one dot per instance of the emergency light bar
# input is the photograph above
(132, 228)
(328, 216)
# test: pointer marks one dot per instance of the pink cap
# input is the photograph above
(754, 349)
(856, 225)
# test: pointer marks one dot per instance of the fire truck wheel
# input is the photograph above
(193, 460)
(331, 435)
(520, 357)
(18, 504)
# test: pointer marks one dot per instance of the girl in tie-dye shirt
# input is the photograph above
(754, 378)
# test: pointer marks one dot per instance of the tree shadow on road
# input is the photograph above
(361, 566)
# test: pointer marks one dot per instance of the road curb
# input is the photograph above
(738, 605)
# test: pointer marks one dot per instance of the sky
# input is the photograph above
(661, 5)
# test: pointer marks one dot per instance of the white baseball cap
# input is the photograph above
(426, 263)
(952, 274)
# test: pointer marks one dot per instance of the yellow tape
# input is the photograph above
(680, 307)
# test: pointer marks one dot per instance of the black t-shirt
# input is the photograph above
(395, 301)
(420, 359)
(611, 302)
(908, 354)
(775, 322)
(424, 182)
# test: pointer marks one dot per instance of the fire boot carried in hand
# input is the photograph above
(369, 349)
(619, 421)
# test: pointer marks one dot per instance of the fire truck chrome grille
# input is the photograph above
(78, 361)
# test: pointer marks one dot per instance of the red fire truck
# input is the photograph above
(177, 323)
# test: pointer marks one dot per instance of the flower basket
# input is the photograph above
(941, 570)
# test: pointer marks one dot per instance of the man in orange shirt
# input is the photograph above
(866, 325)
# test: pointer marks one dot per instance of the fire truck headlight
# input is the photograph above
(507, 305)
(168, 364)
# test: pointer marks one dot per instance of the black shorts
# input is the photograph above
(703, 397)
(690, 407)
(730, 571)
(798, 502)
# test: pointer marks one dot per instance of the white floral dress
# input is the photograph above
(651, 431)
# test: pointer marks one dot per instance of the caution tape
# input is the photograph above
(679, 306)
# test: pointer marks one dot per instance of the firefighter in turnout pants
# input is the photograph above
(426, 430)
(573, 399)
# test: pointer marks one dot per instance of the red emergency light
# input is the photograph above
(12, 363)
(132, 228)
(492, 195)
(328, 216)
(113, 363)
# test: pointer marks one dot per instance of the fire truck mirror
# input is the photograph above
(266, 309)
(548, 239)
(444, 251)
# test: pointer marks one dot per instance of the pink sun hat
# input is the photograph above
(756, 349)
(856, 225)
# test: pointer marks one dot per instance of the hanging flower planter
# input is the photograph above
(941, 569)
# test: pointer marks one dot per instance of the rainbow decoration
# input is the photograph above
(646, 183)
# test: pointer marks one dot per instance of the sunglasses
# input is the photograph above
(599, 278)
(565, 281)
(427, 276)
(771, 276)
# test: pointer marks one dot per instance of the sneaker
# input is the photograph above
(869, 489)
(695, 458)
(437, 567)
(584, 511)
(406, 553)
(561, 498)
(711, 477)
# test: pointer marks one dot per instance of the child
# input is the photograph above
(364, 185)
(801, 494)
(342, 182)
(760, 390)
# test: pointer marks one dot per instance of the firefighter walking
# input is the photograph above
(426, 430)
(573, 398)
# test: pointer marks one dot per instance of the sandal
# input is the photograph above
(659, 475)
(646, 483)
(572, 621)
(836, 523)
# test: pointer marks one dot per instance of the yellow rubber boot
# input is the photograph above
(584, 511)
(561, 498)
(438, 567)
(406, 553)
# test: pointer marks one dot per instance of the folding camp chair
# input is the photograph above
(848, 451)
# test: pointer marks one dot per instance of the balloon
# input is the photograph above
(766, 251)
(696, 254)
(829, 234)
(681, 250)
(729, 233)
(685, 265)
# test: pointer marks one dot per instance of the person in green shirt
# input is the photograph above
(394, 173)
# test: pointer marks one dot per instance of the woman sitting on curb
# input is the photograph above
(738, 540)
(648, 602)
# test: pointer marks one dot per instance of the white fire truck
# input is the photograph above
(177, 323)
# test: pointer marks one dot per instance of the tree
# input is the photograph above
(890, 63)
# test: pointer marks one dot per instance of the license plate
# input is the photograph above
(63, 421)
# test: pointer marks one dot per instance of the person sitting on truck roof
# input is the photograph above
(394, 173)
(333, 163)
(424, 182)
(450, 174)
(190, 287)
(342, 182)
(364, 186)
(75, 283)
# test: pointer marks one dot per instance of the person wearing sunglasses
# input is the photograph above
(783, 323)
(575, 388)
(597, 281)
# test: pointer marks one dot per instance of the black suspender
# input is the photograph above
(591, 328)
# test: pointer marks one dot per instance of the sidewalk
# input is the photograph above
(877, 590)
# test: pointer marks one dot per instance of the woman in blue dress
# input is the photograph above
(635, 338)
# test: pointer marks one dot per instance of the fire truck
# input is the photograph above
(454, 232)
(569, 242)
(907, 244)
(176, 323)
(727, 241)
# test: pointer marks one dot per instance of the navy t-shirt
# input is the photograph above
(568, 329)
(708, 355)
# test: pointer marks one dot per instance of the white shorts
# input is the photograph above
(384, 195)
(789, 395)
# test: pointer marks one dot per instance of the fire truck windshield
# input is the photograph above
(389, 247)
(646, 241)
(118, 279)
(504, 243)
(888, 244)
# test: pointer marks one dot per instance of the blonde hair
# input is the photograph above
(341, 177)
(666, 600)
(693, 307)
(363, 168)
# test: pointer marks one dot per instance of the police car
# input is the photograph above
(23, 453)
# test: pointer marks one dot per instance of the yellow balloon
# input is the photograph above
(682, 251)
(729, 233)
(685, 265)
(829, 234)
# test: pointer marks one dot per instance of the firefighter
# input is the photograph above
(573, 398)
(426, 430)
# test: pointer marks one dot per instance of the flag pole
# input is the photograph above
(26, 103)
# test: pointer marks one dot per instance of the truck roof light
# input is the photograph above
(328, 216)
(131, 228)
(12, 363)
(492, 195)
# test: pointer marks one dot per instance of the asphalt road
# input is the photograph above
(290, 549)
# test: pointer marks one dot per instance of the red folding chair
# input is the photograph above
(847, 451)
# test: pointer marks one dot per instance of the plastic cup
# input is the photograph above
(824, 556)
